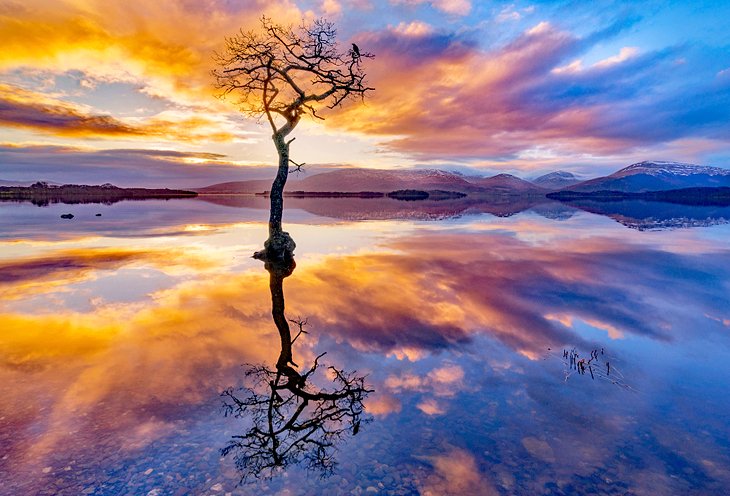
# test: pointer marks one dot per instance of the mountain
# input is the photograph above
(241, 187)
(346, 180)
(386, 181)
(355, 180)
(506, 184)
(657, 176)
(556, 180)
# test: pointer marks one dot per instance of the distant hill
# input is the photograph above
(657, 176)
(506, 184)
(686, 196)
(24, 184)
(41, 193)
(556, 180)
(242, 187)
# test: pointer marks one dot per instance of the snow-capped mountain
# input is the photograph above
(556, 180)
(657, 176)
(658, 168)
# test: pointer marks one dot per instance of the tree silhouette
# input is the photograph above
(285, 73)
(292, 419)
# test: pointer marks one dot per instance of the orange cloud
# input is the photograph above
(38, 112)
(166, 46)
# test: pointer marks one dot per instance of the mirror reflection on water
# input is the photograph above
(120, 332)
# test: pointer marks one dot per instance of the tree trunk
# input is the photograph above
(277, 187)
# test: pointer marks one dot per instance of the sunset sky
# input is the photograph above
(120, 90)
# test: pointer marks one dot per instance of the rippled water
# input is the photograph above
(120, 331)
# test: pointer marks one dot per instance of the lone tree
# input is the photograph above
(285, 73)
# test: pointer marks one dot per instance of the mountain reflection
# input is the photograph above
(652, 215)
(636, 214)
(292, 419)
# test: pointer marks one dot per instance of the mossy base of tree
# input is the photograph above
(279, 247)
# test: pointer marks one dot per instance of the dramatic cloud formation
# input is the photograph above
(500, 86)
(165, 47)
(452, 98)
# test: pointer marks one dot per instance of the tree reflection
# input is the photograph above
(293, 420)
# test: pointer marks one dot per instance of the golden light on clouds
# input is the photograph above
(165, 46)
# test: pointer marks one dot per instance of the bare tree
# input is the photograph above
(285, 73)
(293, 420)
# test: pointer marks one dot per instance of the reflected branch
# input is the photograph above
(293, 420)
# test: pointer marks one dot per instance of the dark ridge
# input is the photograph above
(684, 196)
(329, 194)
(439, 194)
(408, 195)
(42, 194)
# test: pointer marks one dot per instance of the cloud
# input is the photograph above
(453, 7)
(625, 54)
(440, 95)
(124, 166)
(165, 47)
(38, 112)
(453, 99)
(511, 13)
(417, 29)
(331, 8)
(23, 108)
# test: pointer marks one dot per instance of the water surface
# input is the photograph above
(120, 331)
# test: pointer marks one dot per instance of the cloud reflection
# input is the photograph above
(424, 297)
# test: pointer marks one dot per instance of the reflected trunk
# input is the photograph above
(294, 419)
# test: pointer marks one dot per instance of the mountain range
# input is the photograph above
(657, 176)
(378, 180)
(641, 177)
(650, 180)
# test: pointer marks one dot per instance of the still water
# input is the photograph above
(119, 332)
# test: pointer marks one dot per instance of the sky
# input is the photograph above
(121, 91)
